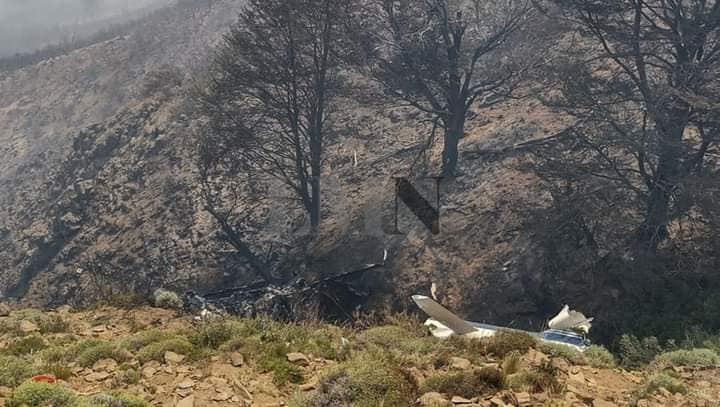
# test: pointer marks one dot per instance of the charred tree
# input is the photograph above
(641, 79)
(445, 56)
(269, 89)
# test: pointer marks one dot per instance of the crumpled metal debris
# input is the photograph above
(565, 327)
(334, 298)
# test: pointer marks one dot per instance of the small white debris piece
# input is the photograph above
(433, 291)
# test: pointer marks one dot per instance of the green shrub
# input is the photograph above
(511, 363)
(697, 358)
(52, 324)
(599, 357)
(504, 342)
(541, 379)
(396, 338)
(30, 394)
(470, 348)
(156, 350)
(657, 381)
(167, 299)
(14, 370)
(635, 353)
(144, 338)
(128, 376)
(284, 372)
(571, 355)
(26, 345)
(214, 334)
(467, 384)
(367, 380)
(56, 354)
(59, 370)
(116, 400)
(335, 390)
(46, 322)
(98, 351)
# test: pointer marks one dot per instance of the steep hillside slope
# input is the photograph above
(44, 109)
(99, 196)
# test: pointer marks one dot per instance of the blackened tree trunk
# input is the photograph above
(454, 132)
(443, 57)
(653, 230)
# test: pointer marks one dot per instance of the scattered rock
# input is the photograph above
(432, 399)
(186, 384)
(523, 399)
(28, 327)
(4, 309)
(222, 396)
(186, 402)
(172, 357)
(460, 363)
(98, 329)
(536, 358)
(312, 385)
(497, 401)
(237, 359)
(298, 358)
(97, 376)
(460, 400)
(148, 372)
(581, 393)
(106, 365)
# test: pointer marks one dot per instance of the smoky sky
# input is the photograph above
(26, 25)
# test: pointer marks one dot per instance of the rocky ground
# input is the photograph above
(151, 356)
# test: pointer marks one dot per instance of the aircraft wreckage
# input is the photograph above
(568, 328)
(336, 297)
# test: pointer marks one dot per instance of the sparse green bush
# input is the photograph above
(58, 370)
(52, 324)
(397, 338)
(116, 400)
(30, 394)
(697, 358)
(554, 349)
(101, 350)
(594, 355)
(511, 363)
(284, 372)
(26, 345)
(46, 322)
(467, 384)
(56, 354)
(657, 381)
(156, 350)
(144, 338)
(213, 334)
(367, 380)
(504, 342)
(599, 357)
(128, 376)
(635, 353)
(167, 299)
(14, 370)
(541, 379)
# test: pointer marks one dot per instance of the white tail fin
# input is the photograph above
(568, 319)
(443, 315)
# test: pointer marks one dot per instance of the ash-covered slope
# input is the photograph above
(65, 121)
(99, 197)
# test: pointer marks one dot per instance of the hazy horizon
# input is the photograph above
(32, 24)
